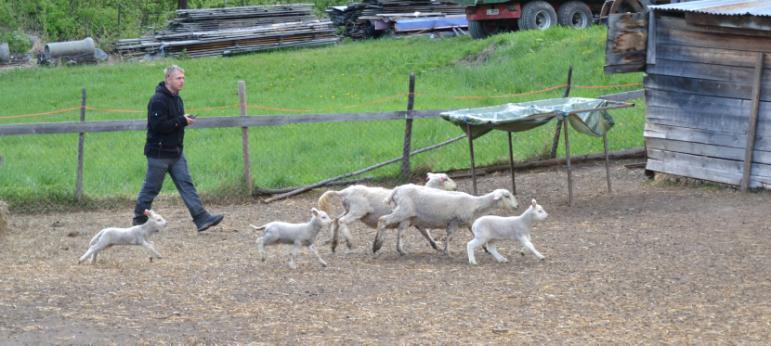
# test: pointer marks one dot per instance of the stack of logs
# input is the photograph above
(355, 18)
(233, 30)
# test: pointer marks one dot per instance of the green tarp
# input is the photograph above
(524, 116)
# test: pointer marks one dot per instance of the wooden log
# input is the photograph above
(405, 169)
(752, 126)
(245, 139)
(81, 145)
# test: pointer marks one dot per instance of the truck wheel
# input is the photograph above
(575, 14)
(476, 29)
(537, 15)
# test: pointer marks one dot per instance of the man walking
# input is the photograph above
(166, 121)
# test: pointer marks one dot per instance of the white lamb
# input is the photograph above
(432, 208)
(490, 228)
(297, 234)
(367, 204)
(136, 235)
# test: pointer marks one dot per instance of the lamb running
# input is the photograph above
(368, 205)
(136, 235)
(490, 228)
(432, 208)
(302, 234)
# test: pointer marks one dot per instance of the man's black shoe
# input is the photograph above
(212, 220)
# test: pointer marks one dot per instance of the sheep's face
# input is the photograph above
(506, 199)
(321, 216)
(155, 218)
(440, 181)
(538, 211)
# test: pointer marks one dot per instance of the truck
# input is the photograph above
(488, 17)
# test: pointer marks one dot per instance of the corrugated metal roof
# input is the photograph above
(760, 8)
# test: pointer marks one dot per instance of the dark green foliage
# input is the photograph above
(106, 20)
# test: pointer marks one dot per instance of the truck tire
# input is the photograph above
(476, 29)
(537, 15)
(575, 14)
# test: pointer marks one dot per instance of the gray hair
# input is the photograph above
(171, 69)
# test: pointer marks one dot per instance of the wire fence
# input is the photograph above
(285, 154)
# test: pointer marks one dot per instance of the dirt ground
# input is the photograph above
(653, 262)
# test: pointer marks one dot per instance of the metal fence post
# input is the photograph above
(245, 138)
(405, 171)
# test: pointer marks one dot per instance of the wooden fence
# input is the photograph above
(245, 121)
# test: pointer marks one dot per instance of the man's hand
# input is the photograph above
(190, 118)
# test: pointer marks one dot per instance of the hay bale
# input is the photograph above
(5, 216)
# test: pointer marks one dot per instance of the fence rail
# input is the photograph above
(214, 122)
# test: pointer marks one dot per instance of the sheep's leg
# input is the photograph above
(484, 246)
(316, 252)
(261, 248)
(427, 234)
(89, 253)
(470, 247)
(149, 246)
(293, 254)
(379, 236)
(494, 251)
(450, 230)
(92, 251)
(527, 244)
(343, 229)
(399, 245)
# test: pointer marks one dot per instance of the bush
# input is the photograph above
(17, 42)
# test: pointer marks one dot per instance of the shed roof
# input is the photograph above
(760, 8)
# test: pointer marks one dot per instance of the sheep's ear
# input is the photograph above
(533, 202)
(147, 212)
(429, 175)
(315, 211)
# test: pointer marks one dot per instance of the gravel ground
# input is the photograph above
(653, 262)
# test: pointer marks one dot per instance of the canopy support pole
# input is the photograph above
(511, 166)
(471, 152)
(567, 161)
(607, 160)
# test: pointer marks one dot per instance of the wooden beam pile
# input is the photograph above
(233, 30)
(357, 18)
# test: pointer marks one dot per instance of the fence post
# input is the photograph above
(556, 140)
(81, 144)
(405, 172)
(245, 138)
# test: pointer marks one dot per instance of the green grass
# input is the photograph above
(365, 76)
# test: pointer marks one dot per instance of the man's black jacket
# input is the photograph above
(165, 124)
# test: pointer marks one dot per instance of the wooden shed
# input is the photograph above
(707, 86)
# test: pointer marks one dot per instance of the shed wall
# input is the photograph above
(698, 92)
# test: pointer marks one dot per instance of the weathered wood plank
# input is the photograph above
(676, 31)
(706, 136)
(709, 150)
(698, 111)
(707, 168)
(689, 69)
(708, 55)
(753, 122)
(626, 43)
(762, 23)
(729, 89)
(214, 122)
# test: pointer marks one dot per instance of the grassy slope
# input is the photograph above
(350, 77)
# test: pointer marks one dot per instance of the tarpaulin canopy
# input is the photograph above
(586, 115)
